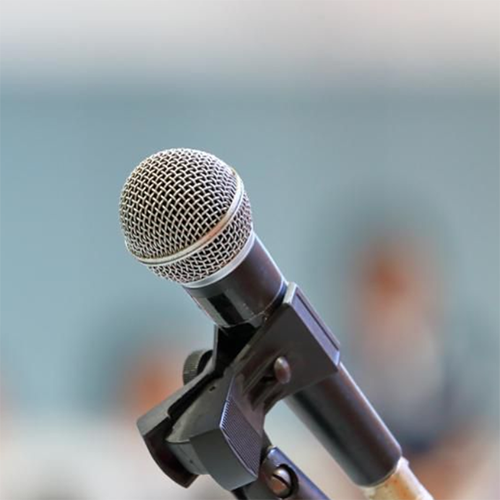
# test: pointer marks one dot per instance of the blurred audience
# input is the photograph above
(410, 351)
(99, 454)
(100, 458)
(151, 376)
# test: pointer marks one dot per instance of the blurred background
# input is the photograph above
(367, 135)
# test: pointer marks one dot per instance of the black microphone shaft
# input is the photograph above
(346, 424)
(247, 295)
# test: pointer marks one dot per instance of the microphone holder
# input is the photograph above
(215, 423)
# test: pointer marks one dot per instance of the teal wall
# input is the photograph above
(75, 304)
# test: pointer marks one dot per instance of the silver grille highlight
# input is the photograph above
(185, 214)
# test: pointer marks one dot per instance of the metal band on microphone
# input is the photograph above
(224, 271)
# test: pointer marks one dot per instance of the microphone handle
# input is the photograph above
(346, 424)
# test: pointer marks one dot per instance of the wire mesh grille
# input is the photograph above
(173, 199)
(219, 252)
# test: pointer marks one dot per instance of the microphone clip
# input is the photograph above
(215, 423)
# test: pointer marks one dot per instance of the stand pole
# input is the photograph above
(279, 478)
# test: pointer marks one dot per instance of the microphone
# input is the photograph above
(186, 216)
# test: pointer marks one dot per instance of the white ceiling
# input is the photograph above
(283, 40)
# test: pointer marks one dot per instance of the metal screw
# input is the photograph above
(282, 370)
(281, 483)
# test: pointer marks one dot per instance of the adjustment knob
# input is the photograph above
(195, 363)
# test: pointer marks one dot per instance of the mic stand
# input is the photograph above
(214, 424)
(279, 478)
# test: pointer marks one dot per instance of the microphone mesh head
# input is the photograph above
(172, 201)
